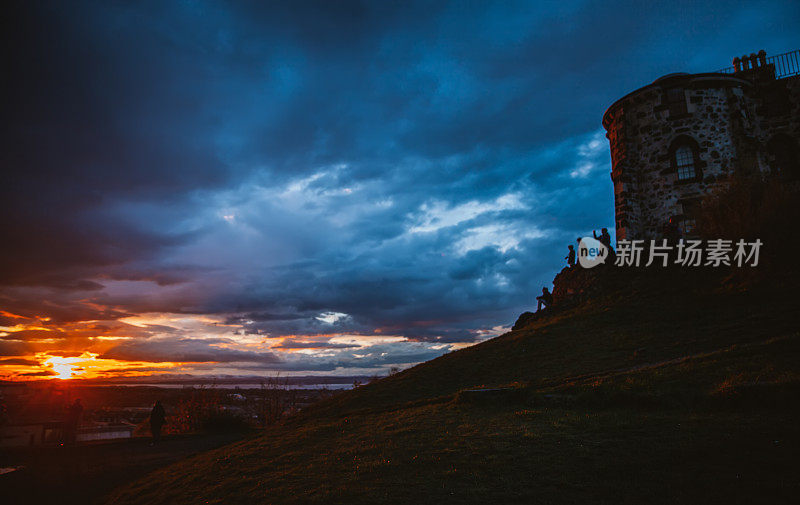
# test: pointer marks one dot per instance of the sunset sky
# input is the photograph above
(253, 188)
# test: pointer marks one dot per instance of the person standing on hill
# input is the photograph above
(157, 418)
(605, 239)
(74, 414)
(571, 256)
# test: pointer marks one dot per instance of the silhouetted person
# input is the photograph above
(571, 256)
(73, 420)
(157, 418)
(545, 300)
(605, 239)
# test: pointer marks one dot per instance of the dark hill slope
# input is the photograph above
(671, 390)
(654, 317)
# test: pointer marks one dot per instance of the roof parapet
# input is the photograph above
(786, 64)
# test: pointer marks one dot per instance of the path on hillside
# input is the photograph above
(607, 374)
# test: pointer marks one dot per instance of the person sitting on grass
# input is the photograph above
(545, 300)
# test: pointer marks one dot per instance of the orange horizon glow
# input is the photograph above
(85, 366)
(72, 350)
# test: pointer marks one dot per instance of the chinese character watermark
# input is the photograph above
(689, 253)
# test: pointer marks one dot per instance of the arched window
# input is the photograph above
(684, 159)
(684, 163)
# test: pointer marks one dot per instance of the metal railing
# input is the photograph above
(786, 65)
(726, 70)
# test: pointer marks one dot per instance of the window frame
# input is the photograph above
(684, 162)
(697, 164)
(687, 226)
(677, 107)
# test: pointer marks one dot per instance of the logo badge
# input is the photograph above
(591, 252)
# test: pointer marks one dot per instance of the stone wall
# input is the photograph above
(730, 121)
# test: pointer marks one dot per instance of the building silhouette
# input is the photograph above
(675, 140)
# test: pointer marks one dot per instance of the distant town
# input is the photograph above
(33, 413)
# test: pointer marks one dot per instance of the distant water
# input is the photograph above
(227, 386)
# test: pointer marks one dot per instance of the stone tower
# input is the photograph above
(678, 138)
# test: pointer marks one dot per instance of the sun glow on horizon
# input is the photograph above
(64, 367)
(78, 351)
(88, 366)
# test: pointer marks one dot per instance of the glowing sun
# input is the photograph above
(64, 367)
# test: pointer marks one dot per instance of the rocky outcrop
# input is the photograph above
(524, 320)
(575, 285)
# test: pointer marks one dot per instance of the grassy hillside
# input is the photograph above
(675, 389)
